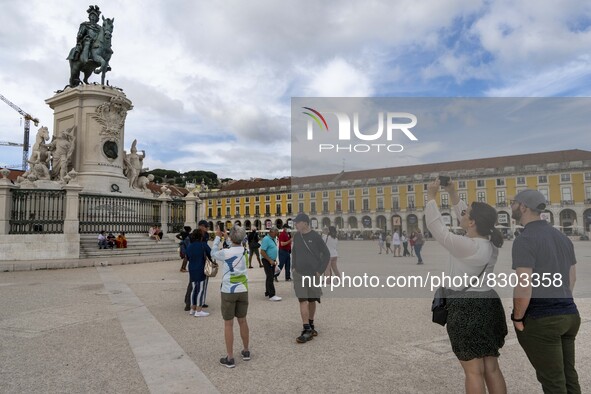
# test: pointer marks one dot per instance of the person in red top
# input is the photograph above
(285, 253)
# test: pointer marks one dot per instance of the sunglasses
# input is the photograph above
(463, 213)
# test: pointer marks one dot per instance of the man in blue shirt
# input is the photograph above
(545, 315)
(269, 253)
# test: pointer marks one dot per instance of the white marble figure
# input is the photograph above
(143, 182)
(61, 150)
(133, 164)
(40, 151)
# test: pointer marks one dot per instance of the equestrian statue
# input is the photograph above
(93, 48)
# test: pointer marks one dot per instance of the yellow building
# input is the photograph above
(389, 199)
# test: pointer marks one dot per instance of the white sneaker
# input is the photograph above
(192, 312)
(201, 314)
(275, 298)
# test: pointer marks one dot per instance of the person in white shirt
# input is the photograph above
(396, 252)
(331, 241)
(476, 322)
(234, 290)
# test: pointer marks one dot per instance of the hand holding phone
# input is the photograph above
(444, 180)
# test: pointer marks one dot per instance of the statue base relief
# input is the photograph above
(98, 114)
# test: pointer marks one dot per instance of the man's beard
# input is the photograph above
(516, 214)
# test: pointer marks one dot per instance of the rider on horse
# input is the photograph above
(87, 34)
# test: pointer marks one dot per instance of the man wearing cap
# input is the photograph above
(545, 315)
(310, 257)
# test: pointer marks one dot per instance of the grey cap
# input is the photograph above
(532, 199)
(302, 217)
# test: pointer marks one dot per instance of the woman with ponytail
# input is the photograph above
(476, 322)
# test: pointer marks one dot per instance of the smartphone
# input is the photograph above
(444, 180)
(221, 227)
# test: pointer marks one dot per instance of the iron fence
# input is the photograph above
(117, 214)
(176, 215)
(37, 211)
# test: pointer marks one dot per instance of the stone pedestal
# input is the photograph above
(99, 113)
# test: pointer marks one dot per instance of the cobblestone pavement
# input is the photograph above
(122, 329)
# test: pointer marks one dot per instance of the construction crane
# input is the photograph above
(28, 118)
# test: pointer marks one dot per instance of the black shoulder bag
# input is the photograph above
(439, 304)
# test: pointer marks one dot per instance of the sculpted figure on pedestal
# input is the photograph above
(62, 149)
(132, 165)
(93, 48)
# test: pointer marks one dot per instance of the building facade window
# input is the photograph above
(210, 212)
(520, 180)
(564, 177)
(247, 210)
(338, 206)
(462, 196)
(338, 193)
(542, 179)
(411, 201)
(257, 210)
(588, 176)
(481, 196)
(267, 198)
(410, 188)
(366, 204)
(247, 199)
(444, 200)
(395, 203)
(566, 194)
(500, 181)
(380, 190)
(461, 184)
(425, 200)
(257, 199)
(325, 194)
(587, 192)
(228, 211)
(277, 209)
(237, 200)
(227, 200)
(289, 196)
(380, 203)
(312, 206)
(352, 205)
(237, 211)
(365, 191)
(267, 209)
(325, 206)
(480, 183)
(544, 192)
(394, 188)
(289, 208)
(301, 207)
(501, 197)
(312, 194)
(301, 196)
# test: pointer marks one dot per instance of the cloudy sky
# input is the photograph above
(211, 82)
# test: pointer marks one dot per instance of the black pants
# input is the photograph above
(269, 276)
(188, 293)
(406, 252)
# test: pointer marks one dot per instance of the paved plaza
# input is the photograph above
(122, 329)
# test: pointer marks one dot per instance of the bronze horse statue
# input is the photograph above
(98, 61)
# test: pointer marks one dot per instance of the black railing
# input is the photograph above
(176, 215)
(37, 211)
(115, 214)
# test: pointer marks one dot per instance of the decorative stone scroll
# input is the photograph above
(112, 116)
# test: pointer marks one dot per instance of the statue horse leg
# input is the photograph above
(74, 73)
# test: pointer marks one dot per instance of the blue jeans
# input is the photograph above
(285, 262)
(418, 248)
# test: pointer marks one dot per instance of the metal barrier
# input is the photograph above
(117, 214)
(37, 211)
(176, 215)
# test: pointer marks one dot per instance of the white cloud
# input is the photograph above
(202, 72)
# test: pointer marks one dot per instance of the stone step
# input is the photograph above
(137, 245)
